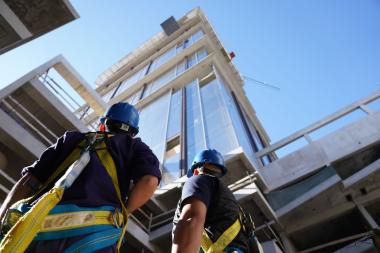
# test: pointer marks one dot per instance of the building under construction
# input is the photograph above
(321, 197)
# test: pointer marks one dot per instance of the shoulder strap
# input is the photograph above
(107, 161)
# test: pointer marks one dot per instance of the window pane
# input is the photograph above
(195, 135)
(237, 122)
(170, 168)
(191, 60)
(174, 123)
(152, 124)
(179, 47)
(165, 57)
(202, 53)
(196, 36)
(163, 79)
(147, 90)
(218, 126)
(181, 67)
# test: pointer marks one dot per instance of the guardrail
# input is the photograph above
(304, 133)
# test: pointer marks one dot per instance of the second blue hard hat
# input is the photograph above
(210, 156)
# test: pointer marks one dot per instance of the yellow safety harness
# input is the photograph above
(222, 242)
(37, 219)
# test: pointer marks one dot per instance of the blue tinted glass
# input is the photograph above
(163, 79)
(219, 128)
(191, 60)
(237, 122)
(181, 67)
(195, 135)
(174, 123)
(201, 54)
(197, 35)
(153, 118)
(170, 170)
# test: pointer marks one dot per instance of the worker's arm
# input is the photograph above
(187, 235)
(141, 192)
(22, 189)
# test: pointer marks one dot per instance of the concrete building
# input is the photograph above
(322, 197)
(25, 20)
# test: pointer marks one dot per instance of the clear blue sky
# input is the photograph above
(323, 54)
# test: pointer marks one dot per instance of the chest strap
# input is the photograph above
(223, 241)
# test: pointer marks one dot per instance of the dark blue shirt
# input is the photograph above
(201, 187)
(94, 187)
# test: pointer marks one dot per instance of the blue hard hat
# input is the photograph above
(210, 156)
(124, 113)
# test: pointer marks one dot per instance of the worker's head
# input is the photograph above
(208, 161)
(121, 118)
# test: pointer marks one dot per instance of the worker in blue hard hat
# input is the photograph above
(119, 176)
(208, 215)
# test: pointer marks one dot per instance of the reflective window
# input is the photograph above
(237, 122)
(132, 79)
(194, 123)
(170, 168)
(175, 111)
(179, 47)
(219, 129)
(163, 79)
(191, 60)
(181, 67)
(201, 53)
(134, 98)
(110, 94)
(197, 35)
(165, 57)
(147, 90)
(153, 119)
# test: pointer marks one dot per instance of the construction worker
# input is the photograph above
(92, 213)
(207, 214)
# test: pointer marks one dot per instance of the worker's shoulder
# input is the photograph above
(202, 181)
(70, 136)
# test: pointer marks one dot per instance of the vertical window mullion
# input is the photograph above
(183, 136)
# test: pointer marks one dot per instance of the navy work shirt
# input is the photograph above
(94, 187)
(200, 187)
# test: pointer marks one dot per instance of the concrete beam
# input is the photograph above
(308, 195)
(66, 70)
(335, 211)
(66, 115)
(361, 175)
(16, 133)
(334, 146)
(14, 21)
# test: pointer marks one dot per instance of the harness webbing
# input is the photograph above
(226, 238)
(17, 239)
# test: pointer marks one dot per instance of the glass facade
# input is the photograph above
(212, 118)
(212, 121)
(153, 120)
(194, 122)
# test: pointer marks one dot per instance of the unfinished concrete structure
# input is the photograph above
(25, 20)
(322, 197)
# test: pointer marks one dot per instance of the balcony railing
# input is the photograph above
(305, 133)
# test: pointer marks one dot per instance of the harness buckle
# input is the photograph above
(117, 218)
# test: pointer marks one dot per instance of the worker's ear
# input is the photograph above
(196, 172)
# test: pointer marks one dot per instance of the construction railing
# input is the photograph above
(305, 132)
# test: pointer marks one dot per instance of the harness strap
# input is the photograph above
(223, 241)
(109, 164)
(95, 241)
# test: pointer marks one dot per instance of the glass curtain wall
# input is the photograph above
(237, 122)
(194, 122)
(171, 166)
(153, 121)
